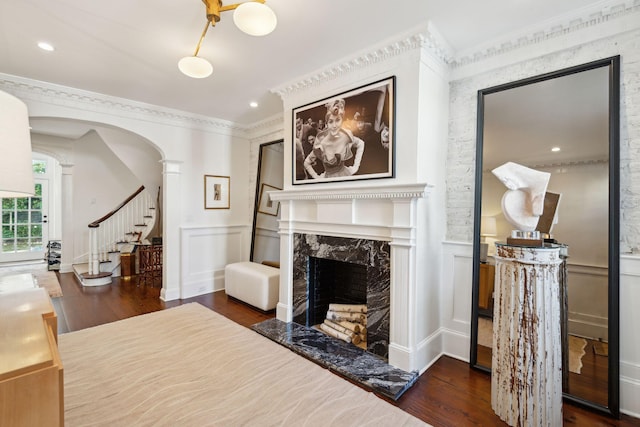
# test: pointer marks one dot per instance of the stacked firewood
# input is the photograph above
(347, 322)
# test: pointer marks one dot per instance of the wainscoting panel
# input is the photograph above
(267, 245)
(457, 273)
(205, 253)
(630, 335)
(588, 288)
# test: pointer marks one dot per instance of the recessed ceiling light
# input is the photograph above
(253, 104)
(46, 46)
(555, 149)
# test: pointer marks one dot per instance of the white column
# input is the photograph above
(526, 376)
(171, 286)
(404, 306)
(284, 309)
(66, 261)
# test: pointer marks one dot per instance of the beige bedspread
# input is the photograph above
(189, 366)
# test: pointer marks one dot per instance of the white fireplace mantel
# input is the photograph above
(388, 213)
(377, 213)
(317, 192)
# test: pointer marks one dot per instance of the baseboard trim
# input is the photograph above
(203, 285)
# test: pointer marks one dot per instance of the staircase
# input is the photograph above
(117, 232)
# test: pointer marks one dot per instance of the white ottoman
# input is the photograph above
(253, 283)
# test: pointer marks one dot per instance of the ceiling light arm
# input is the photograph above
(234, 6)
(204, 33)
(215, 8)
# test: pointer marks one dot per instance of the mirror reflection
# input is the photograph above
(558, 125)
(265, 242)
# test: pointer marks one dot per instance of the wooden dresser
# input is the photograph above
(31, 375)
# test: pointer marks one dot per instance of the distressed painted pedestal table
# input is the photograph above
(526, 377)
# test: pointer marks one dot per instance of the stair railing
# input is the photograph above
(122, 225)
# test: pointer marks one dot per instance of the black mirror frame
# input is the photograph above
(257, 197)
(613, 407)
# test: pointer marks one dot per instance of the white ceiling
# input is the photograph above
(130, 48)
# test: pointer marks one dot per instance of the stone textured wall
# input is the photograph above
(462, 130)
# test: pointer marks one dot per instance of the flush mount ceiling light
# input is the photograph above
(46, 46)
(252, 17)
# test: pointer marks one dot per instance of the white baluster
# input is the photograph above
(94, 263)
(119, 225)
(103, 242)
(100, 253)
(90, 256)
(127, 221)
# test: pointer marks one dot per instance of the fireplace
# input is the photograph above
(383, 228)
(333, 281)
(330, 269)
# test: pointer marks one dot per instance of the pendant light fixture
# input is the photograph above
(252, 17)
(16, 166)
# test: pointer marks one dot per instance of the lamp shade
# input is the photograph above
(16, 166)
(255, 19)
(488, 226)
(196, 67)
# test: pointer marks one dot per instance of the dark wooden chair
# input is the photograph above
(150, 265)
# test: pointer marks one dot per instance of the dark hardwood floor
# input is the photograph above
(450, 393)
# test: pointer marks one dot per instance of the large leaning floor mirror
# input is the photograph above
(565, 123)
(265, 240)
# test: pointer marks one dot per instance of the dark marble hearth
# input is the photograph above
(362, 367)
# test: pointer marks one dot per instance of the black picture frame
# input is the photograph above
(363, 147)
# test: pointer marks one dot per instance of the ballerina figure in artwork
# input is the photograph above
(334, 146)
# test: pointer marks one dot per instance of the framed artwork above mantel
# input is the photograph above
(345, 137)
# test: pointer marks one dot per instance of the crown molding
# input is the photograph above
(266, 130)
(605, 12)
(54, 94)
(420, 38)
(268, 123)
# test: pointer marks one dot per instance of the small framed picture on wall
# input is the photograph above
(216, 192)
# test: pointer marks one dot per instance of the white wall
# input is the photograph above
(142, 158)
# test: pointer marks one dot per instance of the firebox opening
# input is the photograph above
(334, 282)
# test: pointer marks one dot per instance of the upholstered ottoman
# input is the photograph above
(253, 283)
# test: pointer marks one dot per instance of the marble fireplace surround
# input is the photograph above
(383, 214)
(374, 255)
